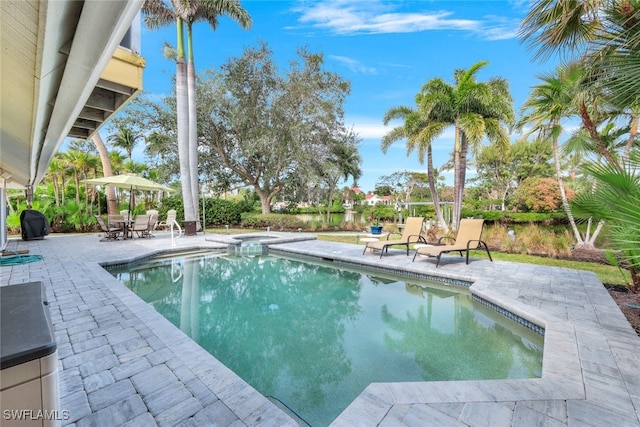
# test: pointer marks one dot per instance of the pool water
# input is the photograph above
(313, 336)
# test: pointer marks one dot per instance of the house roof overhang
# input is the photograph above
(63, 74)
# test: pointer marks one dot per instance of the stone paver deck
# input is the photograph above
(121, 363)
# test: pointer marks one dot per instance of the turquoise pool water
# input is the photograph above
(313, 336)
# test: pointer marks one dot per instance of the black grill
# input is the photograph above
(34, 225)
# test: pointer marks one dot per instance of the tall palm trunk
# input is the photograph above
(112, 203)
(182, 107)
(432, 189)
(563, 194)
(595, 135)
(193, 124)
(458, 185)
(462, 171)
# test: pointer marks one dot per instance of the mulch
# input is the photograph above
(629, 303)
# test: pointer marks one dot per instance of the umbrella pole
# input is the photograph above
(130, 202)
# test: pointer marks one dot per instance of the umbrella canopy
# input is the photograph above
(131, 182)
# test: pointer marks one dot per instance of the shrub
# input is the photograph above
(276, 222)
(222, 212)
(487, 215)
(217, 211)
(381, 213)
(540, 194)
(516, 217)
(536, 217)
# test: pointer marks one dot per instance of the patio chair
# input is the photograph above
(153, 221)
(171, 217)
(412, 233)
(111, 232)
(469, 237)
(141, 226)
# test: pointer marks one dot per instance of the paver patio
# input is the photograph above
(121, 363)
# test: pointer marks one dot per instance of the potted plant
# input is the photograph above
(376, 227)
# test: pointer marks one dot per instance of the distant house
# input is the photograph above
(372, 199)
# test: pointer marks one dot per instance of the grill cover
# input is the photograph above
(34, 225)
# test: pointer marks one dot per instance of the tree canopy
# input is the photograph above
(269, 129)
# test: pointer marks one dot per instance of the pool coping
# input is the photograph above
(589, 375)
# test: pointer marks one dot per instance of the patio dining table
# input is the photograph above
(126, 226)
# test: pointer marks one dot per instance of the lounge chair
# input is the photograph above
(469, 237)
(141, 226)
(111, 232)
(412, 233)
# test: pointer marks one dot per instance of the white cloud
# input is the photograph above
(367, 127)
(499, 28)
(373, 128)
(354, 65)
(374, 17)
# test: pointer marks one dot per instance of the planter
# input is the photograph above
(189, 228)
(376, 229)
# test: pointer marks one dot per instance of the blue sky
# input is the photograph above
(386, 49)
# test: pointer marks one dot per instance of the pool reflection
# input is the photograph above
(315, 336)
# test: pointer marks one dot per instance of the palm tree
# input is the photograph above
(157, 14)
(604, 35)
(419, 135)
(344, 162)
(617, 52)
(549, 103)
(158, 144)
(206, 11)
(80, 162)
(107, 170)
(476, 110)
(125, 139)
(56, 168)
(566, 26)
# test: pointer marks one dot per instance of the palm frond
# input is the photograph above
(396, 134)
(615, 200)
(157, 14)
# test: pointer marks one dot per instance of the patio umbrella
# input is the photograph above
(132, 182)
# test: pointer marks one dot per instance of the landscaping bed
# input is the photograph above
(629, 303)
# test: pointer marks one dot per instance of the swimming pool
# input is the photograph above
(313, 336)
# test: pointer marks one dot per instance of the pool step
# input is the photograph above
(249, 248)
(282, 406)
